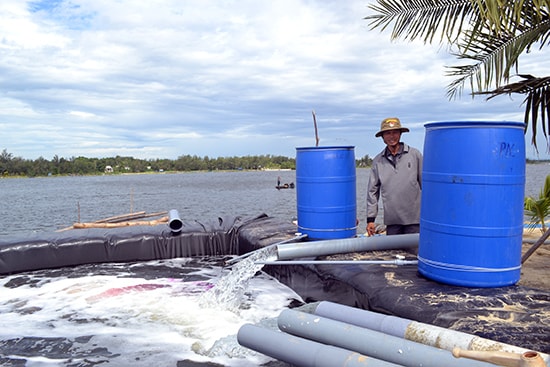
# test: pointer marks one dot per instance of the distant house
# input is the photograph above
(108, 169)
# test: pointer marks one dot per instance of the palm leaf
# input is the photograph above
(492, 34)
(539, 209)
(422, 19)
(537, 101)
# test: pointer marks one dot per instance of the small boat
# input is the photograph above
(285, 186)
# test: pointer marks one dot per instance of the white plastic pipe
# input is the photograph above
(174, 221)
(340, 246)
(415, 331)
(301, 352)
(368, 342)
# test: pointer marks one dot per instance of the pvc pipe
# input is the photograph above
(415, 331)
(298, 236)
(331, 247)
(301, 352)
(174, 221)
(368, 342)
(338, 262)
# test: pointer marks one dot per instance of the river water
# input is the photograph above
(50, 203)
(162, 313)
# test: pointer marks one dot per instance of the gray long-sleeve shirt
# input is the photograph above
(398, 179)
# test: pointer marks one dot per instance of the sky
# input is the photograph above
(219, 78)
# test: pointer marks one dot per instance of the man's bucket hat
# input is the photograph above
(391, 123)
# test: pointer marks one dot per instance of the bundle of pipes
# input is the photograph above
(457, 342)
(378, 339)
(301, 352)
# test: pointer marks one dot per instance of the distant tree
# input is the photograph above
(366, 161)
(5, 162)
(5, 156)
(493, 34)
(10, 165)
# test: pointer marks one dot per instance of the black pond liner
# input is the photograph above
(514, 315)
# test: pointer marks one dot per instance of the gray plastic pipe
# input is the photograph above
(297, 237)
(369, 342)
(331, 247)
(301, 352)
(174, 221)
(415, 331)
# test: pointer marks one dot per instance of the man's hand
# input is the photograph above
(371, 228)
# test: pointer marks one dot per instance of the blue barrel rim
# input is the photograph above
(330, 147)
(473, 123)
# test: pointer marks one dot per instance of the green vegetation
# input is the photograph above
(17, 166)
(11, 166)
(539, 209)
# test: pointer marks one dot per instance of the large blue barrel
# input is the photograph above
(471, 216)
(326, 192)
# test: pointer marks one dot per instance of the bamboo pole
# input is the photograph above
(121, 217)
(130, 216)
(121, 224)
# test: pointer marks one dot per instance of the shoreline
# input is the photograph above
(528, 162)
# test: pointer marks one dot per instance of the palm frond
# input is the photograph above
(537, 101)
(506, 15)
(495, 56)
(491, 34)
(424, 19)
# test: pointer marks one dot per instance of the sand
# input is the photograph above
(535, 271)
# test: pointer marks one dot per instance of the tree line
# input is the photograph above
(11, 165)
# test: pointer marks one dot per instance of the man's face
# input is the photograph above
(391, 137)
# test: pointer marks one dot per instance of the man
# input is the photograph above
(396, 175)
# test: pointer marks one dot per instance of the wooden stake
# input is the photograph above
(315, 125)
(132, 200)
(535, 246)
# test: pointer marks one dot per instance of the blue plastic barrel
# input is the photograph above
(326, 192)
(471, 216)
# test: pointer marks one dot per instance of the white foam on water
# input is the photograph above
(137, 321)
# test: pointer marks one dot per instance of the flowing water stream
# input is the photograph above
(230, 290)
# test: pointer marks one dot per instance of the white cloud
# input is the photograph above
(168, 78)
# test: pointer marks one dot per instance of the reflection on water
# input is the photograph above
(139, 314)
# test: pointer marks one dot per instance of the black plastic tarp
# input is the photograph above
(219, 236)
